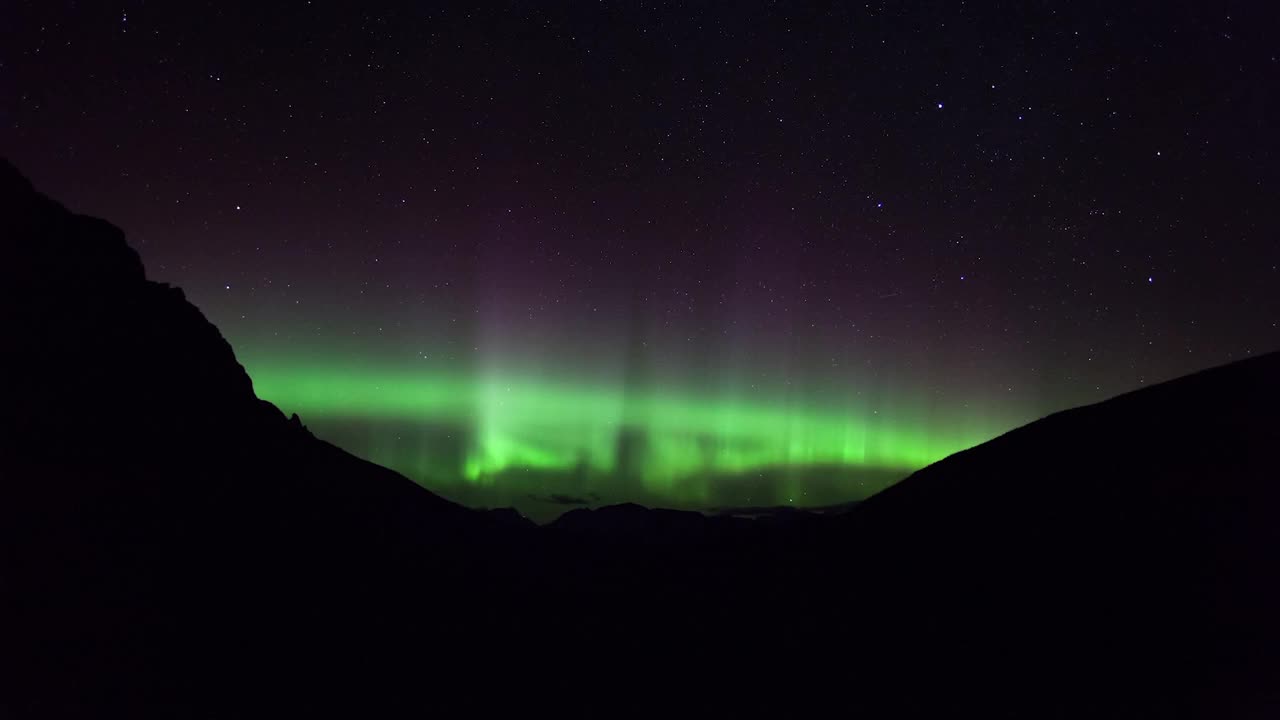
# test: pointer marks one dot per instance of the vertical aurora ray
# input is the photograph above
(499, 437)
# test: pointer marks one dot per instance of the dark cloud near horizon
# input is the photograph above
(561, 499)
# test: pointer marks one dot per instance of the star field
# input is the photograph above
(919, 225)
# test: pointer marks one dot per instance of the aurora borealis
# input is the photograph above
(696, 256)
(503, 438)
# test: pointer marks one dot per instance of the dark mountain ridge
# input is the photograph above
(170, 545)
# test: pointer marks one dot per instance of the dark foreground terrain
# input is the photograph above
(172, 546)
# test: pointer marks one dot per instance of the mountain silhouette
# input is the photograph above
(147, 490)
(1123, 544)
(173, 546)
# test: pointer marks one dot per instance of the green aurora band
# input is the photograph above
(496, 438)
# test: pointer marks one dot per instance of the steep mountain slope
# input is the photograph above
(153, 511)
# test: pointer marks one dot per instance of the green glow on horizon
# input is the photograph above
(652, 444)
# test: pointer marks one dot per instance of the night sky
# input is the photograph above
(693, 255)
